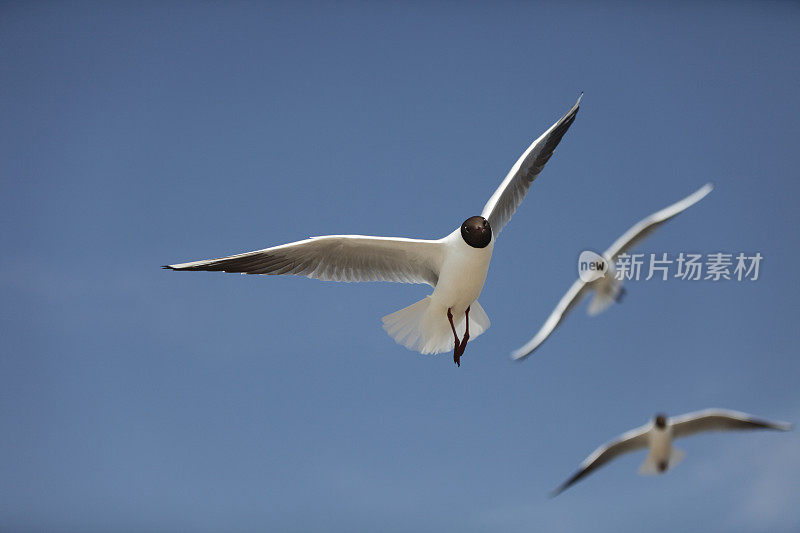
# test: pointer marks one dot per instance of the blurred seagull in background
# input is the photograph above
(607, 289)
(455, 265)
(658, 435)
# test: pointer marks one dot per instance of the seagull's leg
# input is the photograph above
(463, 346)
(620, 295)
(456, 355)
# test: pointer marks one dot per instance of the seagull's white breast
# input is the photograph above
(660, 441)
(463, 273)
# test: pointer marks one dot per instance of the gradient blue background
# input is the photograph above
(135, 399)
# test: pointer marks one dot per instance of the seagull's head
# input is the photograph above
(476, 232)
(660, 421)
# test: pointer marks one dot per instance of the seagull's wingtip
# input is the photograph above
(167, 267)
(519, 355)
(703, 191)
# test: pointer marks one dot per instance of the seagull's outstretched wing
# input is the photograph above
(573, 296)
(627, 442)
(639, 231)
(338, 258)
(505, 200)
(720, 420)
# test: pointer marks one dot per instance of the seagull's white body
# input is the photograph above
(423, 326)
(608, 289)
(462, 275)
(657, 437)
(455, 265)
(659, 444)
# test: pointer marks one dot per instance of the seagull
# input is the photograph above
(455, 265)
(658, 435)
(607, 289)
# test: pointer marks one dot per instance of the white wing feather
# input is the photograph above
(338, 258)
(573, 296)
(639, 231)
(629, 441)
(720, 420)
(505, 200)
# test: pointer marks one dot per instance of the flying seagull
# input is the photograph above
(658, 435)
(607, 289)
(455, 266)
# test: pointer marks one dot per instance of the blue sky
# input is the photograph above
(135, 399)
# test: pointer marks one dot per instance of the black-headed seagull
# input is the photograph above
(455, 265)
(658, 435)
(607, 289)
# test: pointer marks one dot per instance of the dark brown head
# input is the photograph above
(660, 421)
(476, 232)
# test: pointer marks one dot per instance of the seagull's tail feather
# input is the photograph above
(423, 326)
(478, 320)
(675, 456)
(605, 295)
(651, 467)
(599, 303)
